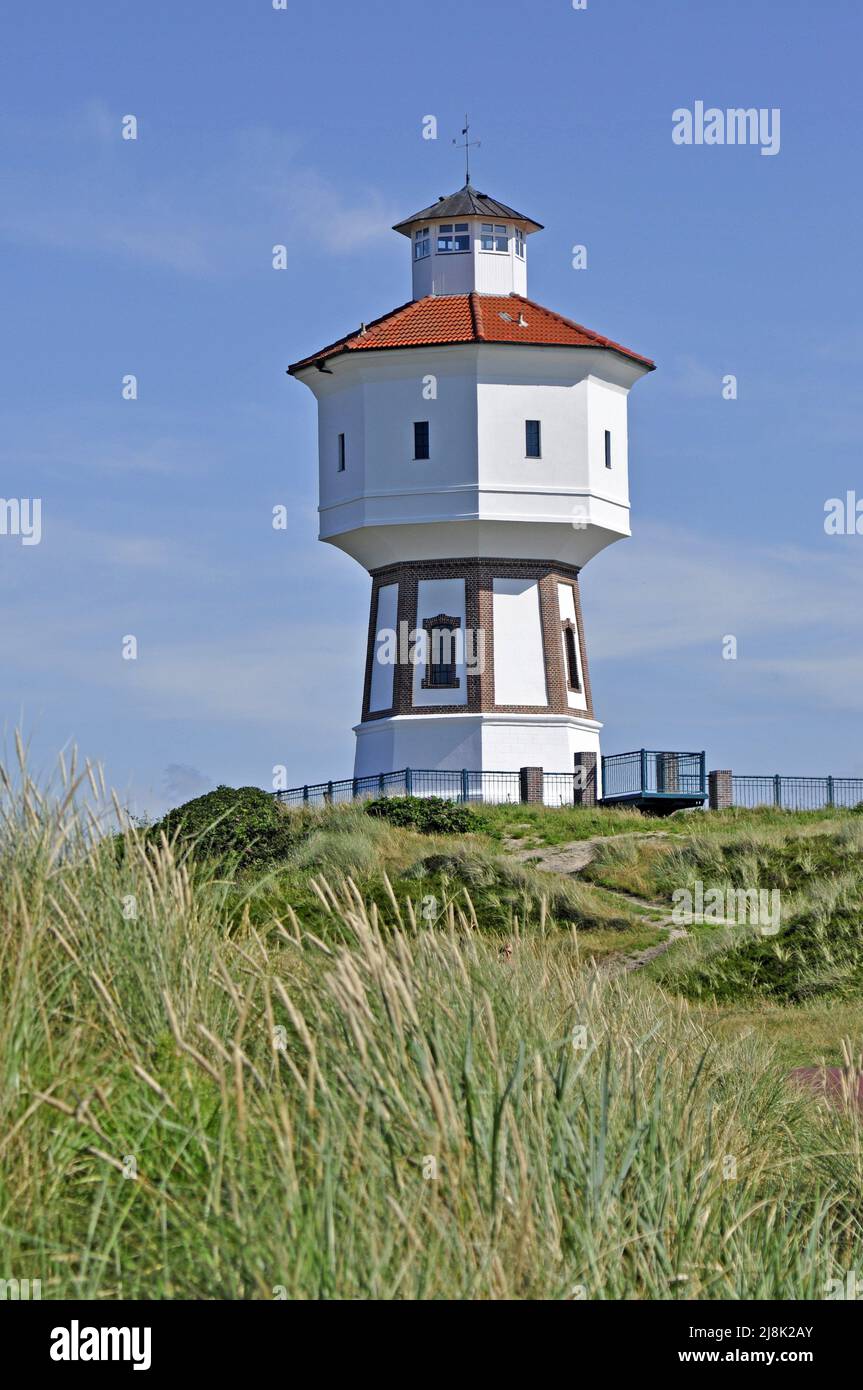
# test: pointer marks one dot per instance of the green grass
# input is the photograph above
(325, 1091)
(816, 866)
(809, 1034)
(555, 825)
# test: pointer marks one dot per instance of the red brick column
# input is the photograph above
(668, 773)
(585, 764)
(530, 780)
(720, 791)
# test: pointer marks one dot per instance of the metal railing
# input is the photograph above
(797, 793)
(644, 773)
(624, 775)
(492, 788)
(648, 772)
(456, 785)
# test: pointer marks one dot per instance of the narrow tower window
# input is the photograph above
(608, 448)
(532, 439)
(441, 653)
(571, 652)
(422, 243)
(421, 439)
(341, 453)
(519, 242)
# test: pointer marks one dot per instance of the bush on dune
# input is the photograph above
(430, 814)
(244, 826)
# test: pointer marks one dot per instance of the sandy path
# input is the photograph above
(571, 858)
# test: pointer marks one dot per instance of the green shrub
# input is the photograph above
(244, 825)
(430, 814)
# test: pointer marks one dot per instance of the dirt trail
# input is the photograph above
(571, 858)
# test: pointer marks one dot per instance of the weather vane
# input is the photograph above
(467, 145)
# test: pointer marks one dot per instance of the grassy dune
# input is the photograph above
(221, 1084)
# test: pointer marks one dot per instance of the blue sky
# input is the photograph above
(304, 127)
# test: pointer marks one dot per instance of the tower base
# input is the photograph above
(477, 742)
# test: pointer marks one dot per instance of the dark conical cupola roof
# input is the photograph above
(467, 202)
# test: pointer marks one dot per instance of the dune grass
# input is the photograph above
(389, 863)
(206, 1098)
(555, 825)
(816, 867)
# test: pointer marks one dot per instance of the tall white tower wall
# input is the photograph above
(477, 483)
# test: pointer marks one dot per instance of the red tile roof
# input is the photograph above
(469, 318)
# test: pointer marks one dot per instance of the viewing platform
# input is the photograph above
(658, 782)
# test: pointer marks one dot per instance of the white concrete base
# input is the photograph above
(478, 742)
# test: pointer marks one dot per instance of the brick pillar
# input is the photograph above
(585, 779)
(530, 782)
(720, 791)
(668, 773)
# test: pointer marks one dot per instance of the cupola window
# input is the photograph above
(453, 236)
(519, 242)
(422, 244)
(493, 237)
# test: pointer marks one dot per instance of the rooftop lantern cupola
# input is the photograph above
(468, 242)
(473, 457)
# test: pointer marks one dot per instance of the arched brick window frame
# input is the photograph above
(570, 648)
(440, 642)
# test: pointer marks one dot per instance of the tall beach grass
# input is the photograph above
(198, 1105)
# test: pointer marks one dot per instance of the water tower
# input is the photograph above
(473, 458)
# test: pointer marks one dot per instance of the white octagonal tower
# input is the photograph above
(473, 458)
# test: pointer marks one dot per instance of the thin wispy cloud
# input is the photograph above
(181, 782)
(221, 216)
(688, 377)
(74, 450)
(666, 590)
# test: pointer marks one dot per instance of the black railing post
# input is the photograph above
(831, 797)
(409, 781)
(305, 793)
(777, 790)
(644, 769)
(465, 785)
